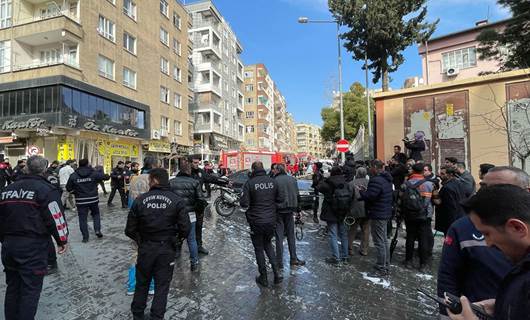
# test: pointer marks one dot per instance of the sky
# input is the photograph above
(302, 58)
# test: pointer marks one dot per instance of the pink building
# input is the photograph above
(454, 56)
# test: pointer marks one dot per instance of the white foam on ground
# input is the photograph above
(424, 276)
(382, 282)
(242, 288)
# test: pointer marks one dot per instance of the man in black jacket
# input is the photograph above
(155, 219)
(83, 183)
(18, 170)
(288, 187)
(448, 208)
(203, 177)
(187, 188)
(117, 182)
(260, 198)
(318, 176)
(502, 214)
(30, 212)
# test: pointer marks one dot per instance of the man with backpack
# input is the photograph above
(338, 197)
(416, 209)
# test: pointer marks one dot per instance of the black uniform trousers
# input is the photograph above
(123, 197)
(199, 213)
(82, 212)
(261, 235)
(285, 225)
(25, 261)
(52, 255)
(418, 230)
(316, 204)
(156, 260)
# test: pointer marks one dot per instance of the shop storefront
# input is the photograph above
(63, 119)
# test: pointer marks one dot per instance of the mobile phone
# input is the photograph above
(453, 304)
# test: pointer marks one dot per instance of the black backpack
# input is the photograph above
(342, 199)
(412, 203)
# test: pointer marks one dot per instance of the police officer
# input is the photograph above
(155, 219)
(260, 197)
(30, 211)
(117, 182)
(83, 183)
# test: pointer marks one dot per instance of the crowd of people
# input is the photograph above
(485, 253)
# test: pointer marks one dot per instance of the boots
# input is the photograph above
(262, 280)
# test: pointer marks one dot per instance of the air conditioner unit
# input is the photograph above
(452, 72)
(163, 133)
(155, 135)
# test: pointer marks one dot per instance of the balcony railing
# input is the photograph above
(19, 67)
(48, 15)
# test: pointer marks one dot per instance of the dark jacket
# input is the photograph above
(450, 210)
(416, 147)
(189, 190)
(158, 215)
(31, 207)
(468, 183)
(317, 178)
(288, 188)
(17, 172)
(83, 183)
(261, 196)
(468, 266)
(358, 209)
(327, 187)
(400, 157)
(204, 177)
(513, 298)
(115, 181)
(398, 172)
(349, 170)
(379, 197)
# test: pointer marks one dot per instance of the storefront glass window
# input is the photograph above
(67, 98)
(85, 106)
(12, 103)
(76, 101)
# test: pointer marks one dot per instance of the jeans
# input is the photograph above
(25, 261)
(364, 224)
(285, 223)
(155, 260)
(418, 230)
(82, 212)
(337, 231)
(379, 230)
(192, 242)
(261, 235)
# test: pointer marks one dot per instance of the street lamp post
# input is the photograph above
(306, 20)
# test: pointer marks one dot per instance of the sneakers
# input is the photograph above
(109, 204)
(130, 292)
(202, 250)
(297, 263)
(194, 266)
(262, 280)
(99, 235)
(85, 240)
(332, 260)
(151, 292)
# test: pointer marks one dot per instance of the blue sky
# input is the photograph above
(302, 58)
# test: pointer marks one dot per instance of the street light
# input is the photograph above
(306, 20)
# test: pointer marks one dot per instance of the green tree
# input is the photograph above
(354, 115)
(382, 29)
(510, 46)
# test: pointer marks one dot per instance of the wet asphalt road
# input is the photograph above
(92, 280)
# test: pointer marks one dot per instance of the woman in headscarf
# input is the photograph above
(416, 146)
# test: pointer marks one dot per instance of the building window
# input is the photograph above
(164, 123)
(177, 21)
(177, 47)
(250, 129)
(107, 28)
(164, 65)
(6, 8)
(177, 100)
(164, 94)
(177, 74)
(460, 59)
(248, 74)
(164, 8)
(112, 1)
(250, 115)
(106, 67)
(249, 101)
(50, 56)
(129, 43)
(129, 78)
(178, 127)
(164, 37)
(249, 88)
(5, 56)
(129, 8)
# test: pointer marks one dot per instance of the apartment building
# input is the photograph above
(291, 133)
(217, 108)
(309, 141)
(103, 79)
(454, 56)
(281, 128)
(259, 108)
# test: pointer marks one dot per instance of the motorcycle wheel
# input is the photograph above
(223, 208)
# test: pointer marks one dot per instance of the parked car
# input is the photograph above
(239, 178)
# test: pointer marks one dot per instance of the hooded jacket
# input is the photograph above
(327, 187)
(378, 197)
(83, 183)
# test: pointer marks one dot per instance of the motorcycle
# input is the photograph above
(226, 203)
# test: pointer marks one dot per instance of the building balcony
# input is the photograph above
(208, 87)
(209, 66)
(38, 30)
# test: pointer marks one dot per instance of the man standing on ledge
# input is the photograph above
(260, 199)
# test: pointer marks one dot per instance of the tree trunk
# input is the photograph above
(385, 80)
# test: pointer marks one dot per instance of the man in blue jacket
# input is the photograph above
(378, 198)
(83, 183)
